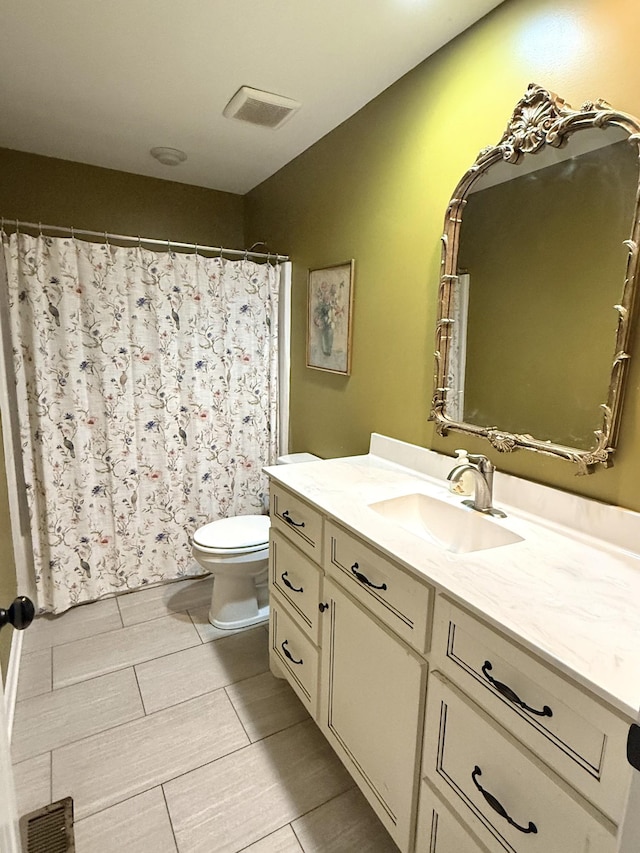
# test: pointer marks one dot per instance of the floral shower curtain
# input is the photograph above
(147, 399)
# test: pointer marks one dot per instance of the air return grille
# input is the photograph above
(50, 829)
(261, 108)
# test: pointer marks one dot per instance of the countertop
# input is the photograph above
(572, 599)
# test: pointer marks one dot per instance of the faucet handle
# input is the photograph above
(485, 465)
(474, 458)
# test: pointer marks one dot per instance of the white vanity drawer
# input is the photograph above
(297, 580)
(298, 521)
(507, 796)
(577, 736)
(296, 655)
(438, 830)
(398, 599)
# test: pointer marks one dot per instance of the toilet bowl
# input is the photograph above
(236, 552)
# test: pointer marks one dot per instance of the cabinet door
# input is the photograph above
(372, 704)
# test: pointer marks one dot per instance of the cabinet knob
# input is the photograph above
(322, 606)
(633, 745)
(20, 614)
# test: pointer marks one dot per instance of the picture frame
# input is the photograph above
(329, 318)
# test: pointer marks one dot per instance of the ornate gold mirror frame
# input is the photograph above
(540, 118)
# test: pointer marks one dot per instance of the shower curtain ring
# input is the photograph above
(17, 227)
(221, 258)
(40, 228)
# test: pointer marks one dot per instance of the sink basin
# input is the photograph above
(458, 529)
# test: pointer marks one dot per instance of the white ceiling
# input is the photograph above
(103, 81)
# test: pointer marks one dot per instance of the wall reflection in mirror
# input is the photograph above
(538, 281)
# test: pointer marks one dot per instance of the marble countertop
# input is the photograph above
(572, 599)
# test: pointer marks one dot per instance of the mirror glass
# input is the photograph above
(545, 261)
(537, 279)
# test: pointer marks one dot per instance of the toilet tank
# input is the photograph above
(290, 458)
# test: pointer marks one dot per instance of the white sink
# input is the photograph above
(458, 529)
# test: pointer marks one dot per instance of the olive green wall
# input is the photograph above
(376, 188)
(59, 192)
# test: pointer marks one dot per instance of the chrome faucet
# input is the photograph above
(482, 470)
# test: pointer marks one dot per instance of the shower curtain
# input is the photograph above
(146, 388)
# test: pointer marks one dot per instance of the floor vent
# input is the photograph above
(49, 829)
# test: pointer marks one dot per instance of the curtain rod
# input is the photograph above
(170, 244)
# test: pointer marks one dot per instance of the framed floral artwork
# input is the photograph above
(330, 306)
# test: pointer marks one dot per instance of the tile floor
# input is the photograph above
(174, 737)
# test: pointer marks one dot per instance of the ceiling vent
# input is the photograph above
(261, 108)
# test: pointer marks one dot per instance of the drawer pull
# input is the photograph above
(322, 607)
(497, 806)
(364, 579)
(290, 521)
(288, 654)
(509, 694)
(288, 583)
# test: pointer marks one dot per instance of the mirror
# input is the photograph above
(538, 279)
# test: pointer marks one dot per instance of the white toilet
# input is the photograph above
(236, 552)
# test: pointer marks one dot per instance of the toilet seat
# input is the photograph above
(242, 534)
(230, 552)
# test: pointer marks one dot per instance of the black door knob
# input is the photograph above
(20, 614)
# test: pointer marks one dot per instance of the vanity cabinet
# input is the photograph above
(462, 740)
(347, 632)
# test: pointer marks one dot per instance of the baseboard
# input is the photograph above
(11, 681)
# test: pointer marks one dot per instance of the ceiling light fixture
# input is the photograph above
(168, 156)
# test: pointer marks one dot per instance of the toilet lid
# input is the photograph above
(241, 531)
